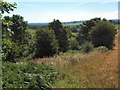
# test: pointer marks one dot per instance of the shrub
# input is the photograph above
(11, 50)
(87, 47)
(29, 75)
(102, 48)
(46, 44)
(74, 44)
(103, 34)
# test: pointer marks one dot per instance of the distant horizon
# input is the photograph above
(71, 21)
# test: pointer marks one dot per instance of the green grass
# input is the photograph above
(117, 26)
(74, 34)
(31, 30)
(71, 24)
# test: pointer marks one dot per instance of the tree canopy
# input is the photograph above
(103, 34)
(60, 33)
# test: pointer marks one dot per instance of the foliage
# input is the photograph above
(87, 47)
(15, 38)
(61, 34)
(6, 33)
(85, 28)
(6, 41)
(36, 26)
(30, 75)
(18, 27)
(73, 44)
(69, 34)
(11, 51)
(46, 44)
(116, 21)
(7, 7)
(102, 49)
(103, 34)
(63, 41)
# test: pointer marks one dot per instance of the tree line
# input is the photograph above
(51, 39)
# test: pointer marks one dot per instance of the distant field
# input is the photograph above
(117, 26)
(31, 30)
(74, 34)
(71, 24)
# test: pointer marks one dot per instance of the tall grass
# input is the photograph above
(77, 70)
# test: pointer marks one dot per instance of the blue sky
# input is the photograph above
(39, 11)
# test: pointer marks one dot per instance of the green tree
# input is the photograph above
(7, 44)
(74, 44)
(18, 27)
(14, 37)
(103, 34)
(46, 44)
(7, 7)
(61, 34)
(63, 40)
(85, 28)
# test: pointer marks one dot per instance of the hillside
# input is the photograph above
(93, 70)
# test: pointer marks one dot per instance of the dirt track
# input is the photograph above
(110, 66)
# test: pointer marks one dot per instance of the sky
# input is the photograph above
(41, 11)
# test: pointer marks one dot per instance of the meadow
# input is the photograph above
(57, 55)
(93, 70)
(72, 69)
(67, 70)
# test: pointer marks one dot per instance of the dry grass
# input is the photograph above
(93, 70)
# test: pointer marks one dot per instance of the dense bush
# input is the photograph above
(73, 44)
(46, 44)
(29, 75)
(87, 47)
(102, 49)
(103, 34)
